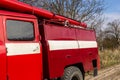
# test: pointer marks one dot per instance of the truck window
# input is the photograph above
(19, 30)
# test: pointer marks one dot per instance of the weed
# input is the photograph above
(109, 57)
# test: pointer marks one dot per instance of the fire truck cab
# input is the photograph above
(38, 48)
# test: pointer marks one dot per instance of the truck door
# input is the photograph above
(2, 53)
(24, 58)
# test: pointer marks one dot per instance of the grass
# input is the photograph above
(109, 57)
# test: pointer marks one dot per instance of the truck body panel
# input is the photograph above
(68, 46)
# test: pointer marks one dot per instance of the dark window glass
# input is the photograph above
(20, 30)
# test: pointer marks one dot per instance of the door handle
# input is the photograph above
(37, 48)
(68, 56)
(90, 53)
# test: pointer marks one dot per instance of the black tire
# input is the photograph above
(72, 73)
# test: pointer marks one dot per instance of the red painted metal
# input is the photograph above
(25, 8)
(57, 59)
(3, 58)
(19, 67)
(8, 13)
(31, 66)
(24, 67)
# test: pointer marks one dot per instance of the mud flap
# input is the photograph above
(95, 72)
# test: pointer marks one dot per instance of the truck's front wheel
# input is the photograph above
(72, 73)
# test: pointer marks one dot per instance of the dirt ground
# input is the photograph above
(111, 73)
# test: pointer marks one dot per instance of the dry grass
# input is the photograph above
(109, 57)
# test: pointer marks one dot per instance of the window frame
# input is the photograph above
(33, 20)
(22, 26)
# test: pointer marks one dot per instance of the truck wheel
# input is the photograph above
(72, 73)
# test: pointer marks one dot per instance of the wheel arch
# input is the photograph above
(78, 65)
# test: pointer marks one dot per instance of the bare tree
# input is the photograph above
(113, 31)
(28, 1)
(100, 38)
(88, 11)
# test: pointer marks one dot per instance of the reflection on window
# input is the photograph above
(19, 30)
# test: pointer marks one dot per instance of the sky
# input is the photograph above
(112, 10)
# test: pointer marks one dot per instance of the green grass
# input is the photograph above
(109, 57)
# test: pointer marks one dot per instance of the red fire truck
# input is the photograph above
(36, 44)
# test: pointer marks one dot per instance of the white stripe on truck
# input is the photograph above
(59, 45)
(87, 44)
(22, 48)
(34, 48)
